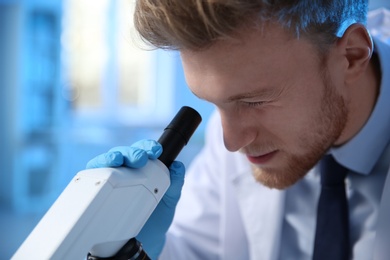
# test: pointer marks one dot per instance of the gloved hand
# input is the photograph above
(152, 235)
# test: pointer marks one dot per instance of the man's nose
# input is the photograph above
(238, 132)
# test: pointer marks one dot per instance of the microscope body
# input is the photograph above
(102, 209)
(98, 212)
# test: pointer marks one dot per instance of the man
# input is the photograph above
(293, 81)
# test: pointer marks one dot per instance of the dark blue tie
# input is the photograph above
(332, 231)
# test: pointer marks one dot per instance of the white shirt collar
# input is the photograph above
(361, 153)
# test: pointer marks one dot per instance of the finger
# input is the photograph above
(133, 157)
(109, 159)
(177, 173)
(152, 148)
(161, 218)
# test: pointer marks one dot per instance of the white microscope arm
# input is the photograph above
(98, 212)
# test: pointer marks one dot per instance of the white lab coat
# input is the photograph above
(237, 218)
(234, 217)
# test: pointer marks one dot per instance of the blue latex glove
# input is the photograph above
(152, 235)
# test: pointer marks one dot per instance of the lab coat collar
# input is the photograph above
(262, 210)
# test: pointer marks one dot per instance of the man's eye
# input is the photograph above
(255, 104)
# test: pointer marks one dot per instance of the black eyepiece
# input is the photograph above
(177, 134)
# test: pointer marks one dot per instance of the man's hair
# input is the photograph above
(197, 24)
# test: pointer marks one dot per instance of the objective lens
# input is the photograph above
(132, 250)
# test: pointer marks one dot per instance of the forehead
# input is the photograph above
(244, 43)
(255, 59)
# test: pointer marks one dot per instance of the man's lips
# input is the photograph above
(262, 159)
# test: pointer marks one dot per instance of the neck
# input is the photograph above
(363, 97)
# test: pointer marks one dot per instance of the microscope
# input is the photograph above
(101, 210)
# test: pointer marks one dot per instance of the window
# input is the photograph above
(108, 75)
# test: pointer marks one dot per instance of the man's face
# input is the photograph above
(279, 103)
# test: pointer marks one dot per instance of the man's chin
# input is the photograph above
(275, 179)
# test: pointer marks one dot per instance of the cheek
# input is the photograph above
(274, 128)
(294, 119)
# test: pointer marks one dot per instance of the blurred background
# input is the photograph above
(74, 82)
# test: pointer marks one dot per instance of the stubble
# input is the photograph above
(328, 124)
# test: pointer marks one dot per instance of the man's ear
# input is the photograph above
(357, 47)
